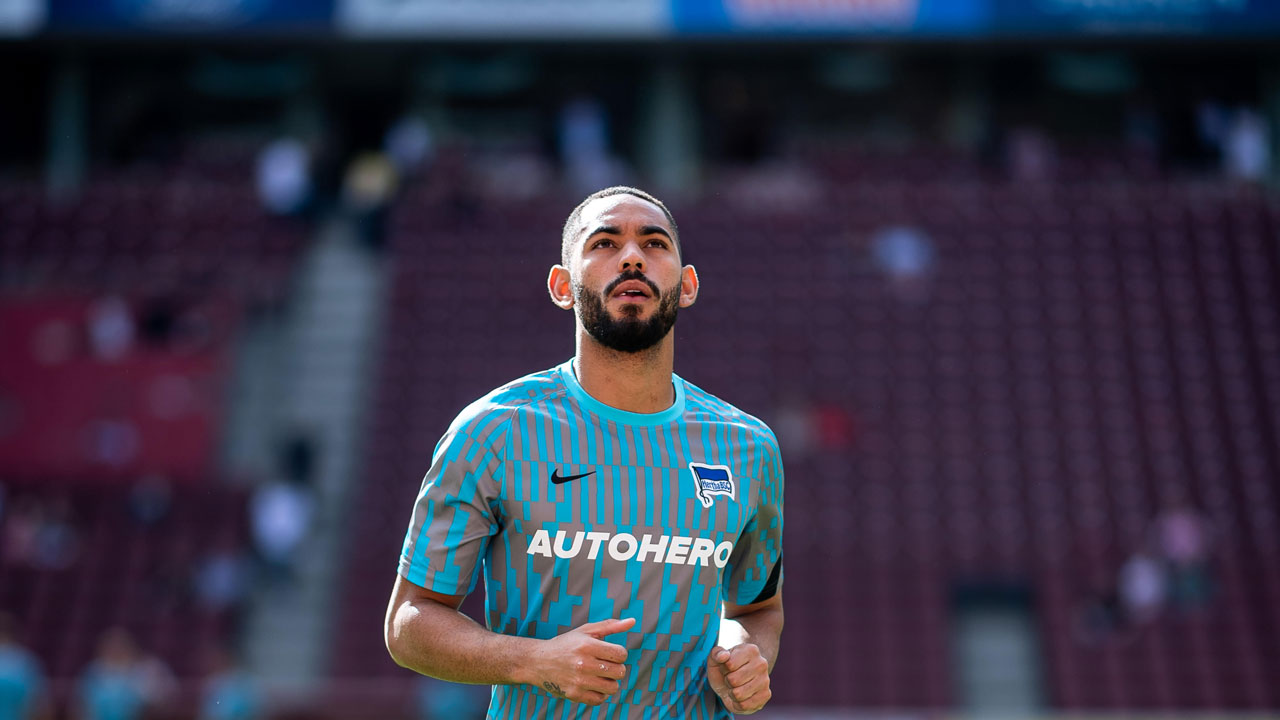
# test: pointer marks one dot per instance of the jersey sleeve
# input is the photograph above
(754, 571)
(455, 515)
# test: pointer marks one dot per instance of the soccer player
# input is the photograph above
(629, 524)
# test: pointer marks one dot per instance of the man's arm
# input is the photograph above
(426, 633)
(739, 666)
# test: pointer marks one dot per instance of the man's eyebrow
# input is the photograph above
(646, 230)
(655, 230)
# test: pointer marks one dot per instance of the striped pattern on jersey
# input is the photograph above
(673, 513)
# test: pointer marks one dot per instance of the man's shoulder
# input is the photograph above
(494, 410)
(701, 405)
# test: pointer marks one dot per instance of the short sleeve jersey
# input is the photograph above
(576, 512)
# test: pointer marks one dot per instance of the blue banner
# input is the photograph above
(1137, 17)
(975, 18)
(190, 16)
(648, 18)
(944, 17)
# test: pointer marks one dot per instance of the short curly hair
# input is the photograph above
(575, 217)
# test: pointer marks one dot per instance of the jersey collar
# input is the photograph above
(609, 412)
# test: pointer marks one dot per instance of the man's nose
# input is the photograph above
(631, 257)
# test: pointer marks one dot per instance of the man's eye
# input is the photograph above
(658, 243)
(603, 243)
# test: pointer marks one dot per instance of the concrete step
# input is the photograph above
(324, 379)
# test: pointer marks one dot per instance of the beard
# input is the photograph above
(628, 334)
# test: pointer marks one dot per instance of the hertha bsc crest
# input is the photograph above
(712, 480)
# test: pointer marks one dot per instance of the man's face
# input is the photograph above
(626, 273)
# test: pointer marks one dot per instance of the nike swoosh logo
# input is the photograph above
(558, 479)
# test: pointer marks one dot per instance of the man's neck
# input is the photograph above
(635, 382)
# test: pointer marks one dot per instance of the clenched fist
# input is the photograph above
(740, 676)
(580, 666)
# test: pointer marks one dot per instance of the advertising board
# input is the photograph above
(1136, 17)
(505, 18)
(189, 16)
(829, 16)
(20, 17)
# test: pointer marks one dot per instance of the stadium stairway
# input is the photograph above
(329, 335)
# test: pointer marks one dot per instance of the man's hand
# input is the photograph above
(579, 665)
(740, 676)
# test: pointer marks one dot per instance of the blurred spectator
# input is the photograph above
(907, 258)
(150, 499)
(221, 579)
(111, 329)
(367, 191)
(113, 441)
(584, 147)
(21, 681)
(1183, 537)
(41, 535)
(1211, 124)
(440, 700)
(112, 687)
(57, 541)
(281, 510)
(584, 132)
(158, 683)
(370, 182)
(284, 176)
(230, 692)
(1031, 155)
(1246, 151)
(1142, 588)
(409, 145)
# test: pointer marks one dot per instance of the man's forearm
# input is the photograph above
(762, 627)
(436, 640)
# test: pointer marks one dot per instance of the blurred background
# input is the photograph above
(1004, 275)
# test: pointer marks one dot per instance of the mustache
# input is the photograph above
(632, 275)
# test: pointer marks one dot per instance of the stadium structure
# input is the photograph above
(1004, 275)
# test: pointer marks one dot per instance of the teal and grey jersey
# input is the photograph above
(578, 512)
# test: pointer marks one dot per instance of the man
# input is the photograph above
(628, 523)
(22, 693)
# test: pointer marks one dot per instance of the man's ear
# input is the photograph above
(560, 287)
(688, 286)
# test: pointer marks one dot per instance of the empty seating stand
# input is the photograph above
(193, 232)
(123, 573)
